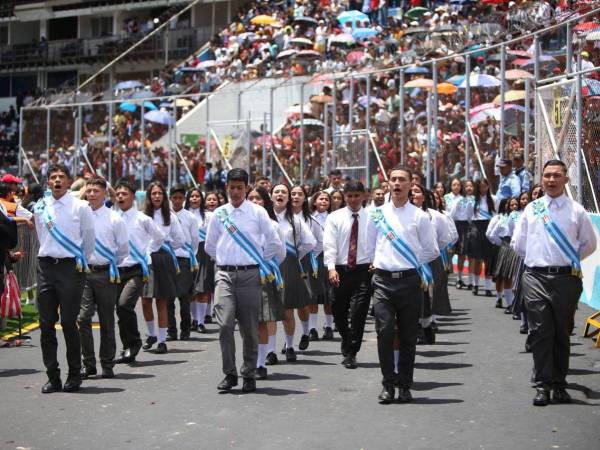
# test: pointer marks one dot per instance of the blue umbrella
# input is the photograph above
(364, 33)
(162, 117)
(352, 16)
(456, 80)
(127, 107)
(481, 81)
(547, 63)
(142, 94)
(476, 54)
(150, 106)
(131, 84)
(416, 69)
(192, 69)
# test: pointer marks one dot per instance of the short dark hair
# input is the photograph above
(403, 168)
(125, 184)
(261, 178)
(555, 162)
(5, 189)
(97, 181)
(335, 172)
(238, 174)
(59, 167)
(354, 186)
(177, 189)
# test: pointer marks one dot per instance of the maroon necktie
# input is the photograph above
(353, 247)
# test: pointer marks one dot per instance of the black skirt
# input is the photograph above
(319, 286)
(272, 309)
(478, 246)
(162, 282)
(440, 301)
(205, 278)
(296, 293)
(462, 227)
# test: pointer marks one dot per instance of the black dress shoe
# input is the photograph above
(194, 326)
(386, 395)
(72, 384)
(313, 335)
(499, 303)
(161, 349)
(52, 385)
(283, 349)
(542, 397)
(261, 373)
(560, 395)
(475, 290)
(171, 337)
(249, 385)
(404, 395)
(372, 311)
(184, 336)
(271, 359)
(460, 284)
(135, 349)
(470, 287)
(523, 329)
(150, 341)
(429, 335)
(328, 334)
(420, 335)
(126, 357)
(488, 293)
(228, 382)
(87, 372)
(434, 325)
(516, 316)
(107, 372)
(304, 341)
(208, 319)
(201, 328)
(290, 355)
(350, 362)
(508, 310)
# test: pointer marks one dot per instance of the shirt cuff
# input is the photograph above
(330, 266)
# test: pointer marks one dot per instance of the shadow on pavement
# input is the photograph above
(589, 393)
(450, 343)
(157, 362)
(278, 391)
(435, 401)
(313, 362)
(455, 324)
(17, 372)
(99, 390)
(429, 385)
(320, 353)
(441, 330)
(278, 376)
(184, 350)
(132, 376)
(441, 365)
(582, 372)
(436, 353)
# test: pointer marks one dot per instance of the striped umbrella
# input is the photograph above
(10, 302)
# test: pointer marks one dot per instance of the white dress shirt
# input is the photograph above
(321, 218)
(413, 226)
(189, 228)
(172, 233)
(280, 256)
(450, 198)
(202, 220)
(111, 231)
(336, 238)
(538, 249)
(442, 229)
(483, 206)
(142, 231)
(451, 227)
(305, 241)
(254, 222)
(462, 208)
(512, 220)
(317, 231)
(73, 217)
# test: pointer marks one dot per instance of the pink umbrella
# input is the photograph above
(482, 107)
(355, 57)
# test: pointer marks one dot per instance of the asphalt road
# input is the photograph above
(471, 391)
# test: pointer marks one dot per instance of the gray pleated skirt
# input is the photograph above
(440, 301)
(507, 262)
(162, 280)
(296, 293)
(319, 285)
(205, 277)
(272, 309)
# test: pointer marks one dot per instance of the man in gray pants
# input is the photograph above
(238, 290)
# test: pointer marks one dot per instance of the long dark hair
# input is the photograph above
(268, 203)
(165, 210)
(289, 212)
(216, 194)
(187, 200)
(343, 205)
(488, 196)
(305, 208)
(427, 197)
(316, 195)
(504, 206)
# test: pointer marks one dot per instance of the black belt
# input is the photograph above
(347, 268)
(94, 268)
(237, 268)
(400, 274)
(51, 260)
(552, 270)
(130, 268)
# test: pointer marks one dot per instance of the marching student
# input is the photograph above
(553, 236)
(347, 260)
(499, 235)
(233, 239)
(134, 270)
(65, 229)
(101, 284)
(212, 200)
(400, 238)
(460, 208)
(188, 265)
(162, 282)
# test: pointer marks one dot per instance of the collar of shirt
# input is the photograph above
(555, 202)
(64, 200)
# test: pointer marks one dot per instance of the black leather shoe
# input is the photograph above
(516, 316)
(313, 335)
(372, 311)
(271, 359)
(460, 284)
(350, 362)
(290, 355)
(429, 335)
(208, 319)
(201, 328)
(508, 310)
(387, 395)
(249, 385)
(194, 326)
(327, 334)
(470, 287)
(523, 329)
(542, 398)
(53, 385)
(184, 335)
(304, 341)
(488, 293)
(475, 290)
(135, 349)
(228, 382)
(72, 384)
(126, 357)
(261, 373)
(404, 395)
(87, 372)
(434, 326)
(499, 303)
(283, 350)
(171, 336)
(107, 372)
(420, 335)
(560, 395)
(150, 341)
(161, 349)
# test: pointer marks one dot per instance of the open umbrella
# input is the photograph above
(355, 57)
(308, 54)
(481, 81)
(162, 117)
(511, 96)
(142, 94)
(127, 107)
(416, 12)
(309, 123)
(206, 64)
(547, 63)
(512, 113)
(446, 88)
(306, 20)
(416, 69)
(131, 84)
(593, 35)
(352, 16)
(519, 53)
(263, 19)
(424, 83)
(456, 80)
(364, 33)
(517, 74)
(342, 39)
(586, 26)
(149, 106)
(303, 42)
(183, 102)
(287, 53)
(481, 107)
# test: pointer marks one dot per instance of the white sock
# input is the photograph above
(487, 284)
(498, 295)
(476, 280)
(262, 355)
(459, 275)
(304, 326)
(396, 360)
(201, 312)
(289, 341)
(209, 307)
(272, 343)
(151, 329)
(162, 335)
(508, 297)
(312, 321)
(329, 320)
(523, 319)
(425, 322)
(193, 311)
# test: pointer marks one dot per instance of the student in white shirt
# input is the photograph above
(461, 210)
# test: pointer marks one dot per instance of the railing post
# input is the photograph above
(502, 96)
(579, 128)
(433, 136)
(527, 119)
(368, 134)
(401, 118)
(302, 133)
(467, 121)
(143, 147)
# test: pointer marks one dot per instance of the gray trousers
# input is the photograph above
(99, 293)
(238, 297)
(129, 291)
(550, 301)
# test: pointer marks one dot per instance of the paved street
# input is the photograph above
(471, 392)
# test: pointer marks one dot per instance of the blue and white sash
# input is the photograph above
(42, 209)
(167, 248)
(400, 246)
(314, 264)
(291, 250)
(444, 256)
(141, 259)
(113, 268)
(276, 273)
(202, 234)
(264, 267)
(485, 214)
(194, 266)
(541, 213)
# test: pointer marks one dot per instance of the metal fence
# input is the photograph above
(25, 269)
